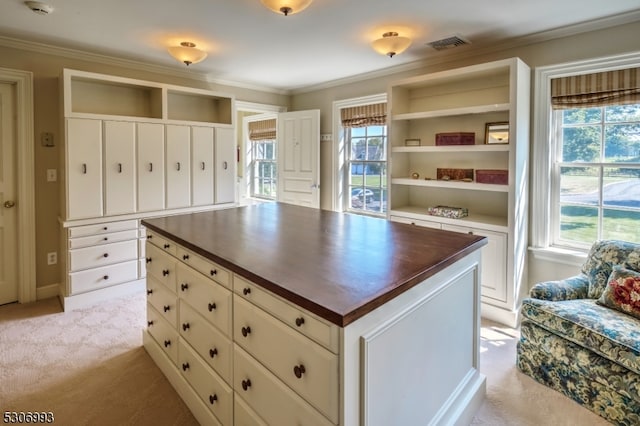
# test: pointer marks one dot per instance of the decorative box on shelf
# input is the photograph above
(450, 212)
(454, 174)
(500, 177)
(457, 138)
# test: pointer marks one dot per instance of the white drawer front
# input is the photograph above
(161, 266)
(317, 329)
(418, 222)
(102, 228)
(93, 240)
(163, 333)
(205, 266)
(163, 300)
(215, 393)
(211, 300)
(269, 397)
(106, 254)
(161, 242)
(243, 415)
(93, 279)
(206, 340)
(308, 368)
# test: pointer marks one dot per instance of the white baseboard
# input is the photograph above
(47, 291)
(503, 316)
(83, 300)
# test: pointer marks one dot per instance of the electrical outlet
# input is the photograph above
(52, 175)
(52, 258)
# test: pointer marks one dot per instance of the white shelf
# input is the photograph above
(490, 223)
(451, 148)
(470, 186)
(476, 109)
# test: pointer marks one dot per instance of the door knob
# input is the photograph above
(9, 204)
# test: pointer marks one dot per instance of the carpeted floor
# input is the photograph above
(88, 367)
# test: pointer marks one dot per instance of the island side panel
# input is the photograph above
(415, 360)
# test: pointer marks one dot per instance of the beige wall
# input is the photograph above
(46, 68)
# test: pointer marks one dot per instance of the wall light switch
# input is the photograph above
(52, 175)
(326, 137)
(47, 139)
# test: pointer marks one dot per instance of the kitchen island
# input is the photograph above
(279, 314)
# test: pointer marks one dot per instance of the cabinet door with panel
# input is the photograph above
(178, 166)
(84, 168)
(202, 170)
(150, 153)
(225, 154)
(119, 167)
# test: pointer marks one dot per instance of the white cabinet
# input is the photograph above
(178, 166)
(202, 161)
(150, 162)
(466, 100)
(119, 167)
(83, 168)
(225, 175)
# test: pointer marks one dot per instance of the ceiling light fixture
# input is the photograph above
(287, 7)
(391, 44)
(187, 53)
(39, 7)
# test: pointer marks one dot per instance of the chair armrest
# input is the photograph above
(575, 287)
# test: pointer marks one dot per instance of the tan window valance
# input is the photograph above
(618, 87)
(364, 115)
(262, 130)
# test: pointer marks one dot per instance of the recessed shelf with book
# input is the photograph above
(465, 100)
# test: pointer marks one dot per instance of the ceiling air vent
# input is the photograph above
(448, 42)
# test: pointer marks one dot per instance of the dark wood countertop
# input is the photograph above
(336, 265)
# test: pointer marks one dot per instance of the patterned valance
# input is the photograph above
(599, 89)
(364, 115)
(262, 130)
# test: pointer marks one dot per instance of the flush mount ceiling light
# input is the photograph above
(39, 7)
(287, 7)
(391, 44)
(187, 53)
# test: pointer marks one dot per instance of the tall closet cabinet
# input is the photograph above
(134, 149)
(462, 102)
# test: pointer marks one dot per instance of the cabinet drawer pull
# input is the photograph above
(185, 326)
(246, 331)
(224, 165)
(105, 228)
(299, 321)
(105, 277)
(166, 308)
(214, 272)
(149, 323)
(246, 290)
(299, 370)
(148, 260)
(213, 352)
(213, 398)
(202, 165)
(178, 166)
(185, 366)
(105, 255)
(84, 169)
(185, 256)
(149, 291)
(149, 237)
(212, 307)
(150, 167)
(165, 272)
(106, 239)
(184, 287)
(246, 384)
(119, 167)
(167, 343)
(166, 246)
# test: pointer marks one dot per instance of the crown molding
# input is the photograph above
(49, 49)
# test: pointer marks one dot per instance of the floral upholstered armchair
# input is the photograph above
(581, 335)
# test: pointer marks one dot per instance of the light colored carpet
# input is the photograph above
(88, 367)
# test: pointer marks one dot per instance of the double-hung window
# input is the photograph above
(593, 153)
(263, 165)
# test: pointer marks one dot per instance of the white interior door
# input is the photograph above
(298, 140)
(8, 208)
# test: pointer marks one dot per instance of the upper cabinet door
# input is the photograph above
(298, 158)
(225, 172)
(119, 165)
(178, 166)
(202, 166)
(150, 166)
(84, 168)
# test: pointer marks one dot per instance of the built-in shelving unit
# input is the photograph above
(465, 100)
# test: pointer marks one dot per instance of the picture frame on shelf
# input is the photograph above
(412, 142)
(496, 133)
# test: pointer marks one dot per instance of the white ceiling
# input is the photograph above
(330, 40)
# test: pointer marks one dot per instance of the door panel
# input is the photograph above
(8, 213)
(298, 158)
(119, 155)
(178, 166)
(225, 188)
(150, 167)
(84, 168)
(202, 146)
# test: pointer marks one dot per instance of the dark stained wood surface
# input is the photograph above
(339, 266)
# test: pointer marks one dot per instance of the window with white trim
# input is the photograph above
(263, 164)
(587, 170)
